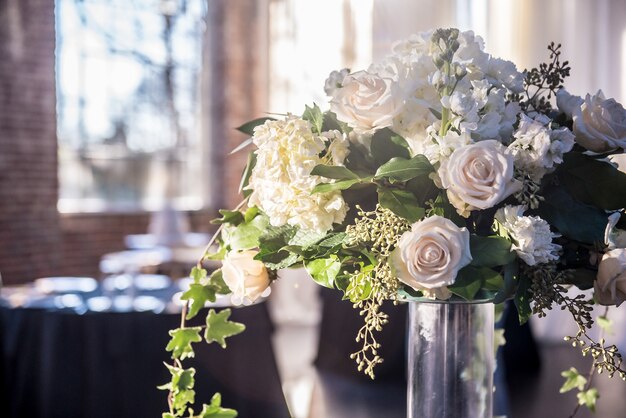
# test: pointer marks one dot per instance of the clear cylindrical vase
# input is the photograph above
(451, 360)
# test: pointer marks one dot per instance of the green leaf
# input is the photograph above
(572, 218)
(509, 287)
(314, 116)
(337, 172)
(401, 169)
(250, 214)
(605, 324)
(333, 239)
(401, 202)
(303, 238)
(522, 300)
(215, 410)
(423, 188)
(594, 182)
(233, 217)
(490, 251)
(246, 235)
(248, 127)
(218, 327)
(216, 281)
(167, 415)
(324, 270)
(198, 274)
(340, 185)
(583, 278)
(332, 123)
(588, 398)
(386, 145)
(180, 344)
(198, 294)
(573, 380)
(181, 388)
(247, 172)
(470, 280)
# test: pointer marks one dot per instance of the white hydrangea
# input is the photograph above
(531, 235)
(339, 146)
(281, 181)
(537, 148)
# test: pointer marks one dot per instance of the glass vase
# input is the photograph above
(450, 360)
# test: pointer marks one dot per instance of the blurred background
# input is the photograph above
(117, 118)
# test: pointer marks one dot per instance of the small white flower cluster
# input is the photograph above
(537, 148)
(281, 181)
(531, 236)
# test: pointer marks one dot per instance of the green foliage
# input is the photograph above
(215, 410)
(423, 188)
(246, 234)
(588, 398)
(605, 324)
(273, 243)
(386, 145)
(594, 182)
(401, 202)
(315, 117)
(360, 285)
(522, 300)
(332, 123)
(402, 169)
(337, 172)
(232, 217)
(218, 327)
(198, 274)
(324, 270)
(198, 294)
(573, 380)
(248, 128)
(247, 172)
(509, 287)
(582, 278)
(180, 344)
(564, 212)
(180, 388)
(490, 251)
(470, 280)
(341, 184)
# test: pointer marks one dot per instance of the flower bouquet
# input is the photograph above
(441, 174)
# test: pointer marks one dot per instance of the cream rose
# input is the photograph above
(246, 277)
(364, 101)
(600, 124)
(429, 256)
(610, 285)
(478, 176)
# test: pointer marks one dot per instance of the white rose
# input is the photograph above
(478, 176)
(430, 255)
(335, 81)
(613, 237)
(364, 101)
(246, 277)
(610, 285)
(600, 124)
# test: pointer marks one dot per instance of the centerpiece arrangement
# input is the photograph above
(443, 177)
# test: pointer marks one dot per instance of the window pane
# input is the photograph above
(127, 103)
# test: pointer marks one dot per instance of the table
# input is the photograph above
(58, 363)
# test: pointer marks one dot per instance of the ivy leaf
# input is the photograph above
(180, 344)
(401, 202)
(198, 274)
(246, 235)
(588, 398)
(218, 327)
(215, 410)
(605, 324)
(216, 280)
(180, 387)
(401, 169)
(198, 294)
(315, 116)
(248, 127)
(573, 380)
(490, 251)
(324, 270)
(233, 217)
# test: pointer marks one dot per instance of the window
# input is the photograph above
(128, 103)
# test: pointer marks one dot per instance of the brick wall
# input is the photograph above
(35, 240)
(29, 233)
